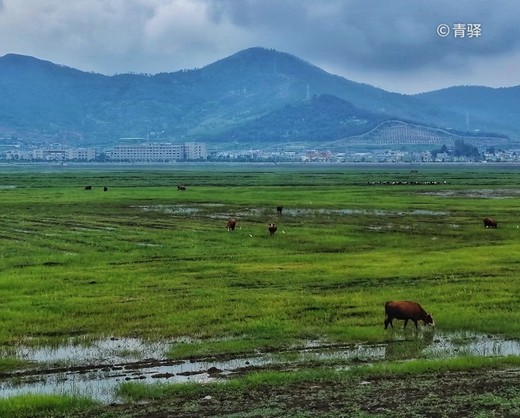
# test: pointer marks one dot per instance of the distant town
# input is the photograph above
(150, 152)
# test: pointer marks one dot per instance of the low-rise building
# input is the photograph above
(53, 154)
(159, 152)
(195, 151)
(146, 152)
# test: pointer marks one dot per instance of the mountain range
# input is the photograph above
(255, 97)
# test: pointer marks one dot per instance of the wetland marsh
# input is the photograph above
(151, 275)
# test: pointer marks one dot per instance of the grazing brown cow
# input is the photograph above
(406, 310)
(490, 223)
(181, 187)
(231, 225)
(279, 209)
(272, 229)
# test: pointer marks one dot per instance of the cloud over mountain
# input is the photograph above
(389, 44)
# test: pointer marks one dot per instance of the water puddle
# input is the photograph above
(96, 369)
(177, 209)
(287, 212)
(454, 345)
(365, 212)
(476, 193)
(82, 353)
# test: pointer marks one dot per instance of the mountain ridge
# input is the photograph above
(246, 92)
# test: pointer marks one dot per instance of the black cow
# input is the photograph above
(279, 209)
(490, 223)
(181, 187)
(88, 187)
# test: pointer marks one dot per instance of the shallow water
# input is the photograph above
(291, 212)
(454, 345)
(477, 193)
(110, 350)
(95, 370)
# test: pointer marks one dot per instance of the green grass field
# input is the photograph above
(145, 260)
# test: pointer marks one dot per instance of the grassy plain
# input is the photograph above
(145, 260)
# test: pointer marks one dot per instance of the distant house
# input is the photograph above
(443, 157)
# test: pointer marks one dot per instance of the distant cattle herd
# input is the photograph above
(405, 182)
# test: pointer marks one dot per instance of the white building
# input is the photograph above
(146, 152)
(195, 151)
(157, 152)
(84, 154)
(53, 154)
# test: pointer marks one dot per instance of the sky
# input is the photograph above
(404, 46)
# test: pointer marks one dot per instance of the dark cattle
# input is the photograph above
(406, 310)
(181, 187)
(105, 188)
(88, 187)
(272, 229)
(279, 209)
(231, 225)
(490, 223)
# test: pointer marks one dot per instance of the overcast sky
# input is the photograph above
(391, 44)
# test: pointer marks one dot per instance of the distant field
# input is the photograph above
(145, 260)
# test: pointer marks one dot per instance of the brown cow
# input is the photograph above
(406, 310)
(272, 229)
(490, 223)
(231, 225)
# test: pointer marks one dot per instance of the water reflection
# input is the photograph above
(410, 348)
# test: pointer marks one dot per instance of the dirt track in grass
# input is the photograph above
(453, 394)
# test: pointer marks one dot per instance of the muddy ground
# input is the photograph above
(484, 393)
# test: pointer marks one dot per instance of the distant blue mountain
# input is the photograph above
(256, 96)
(484, 108)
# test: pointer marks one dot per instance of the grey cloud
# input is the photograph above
(395, 35)
(359, 39)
